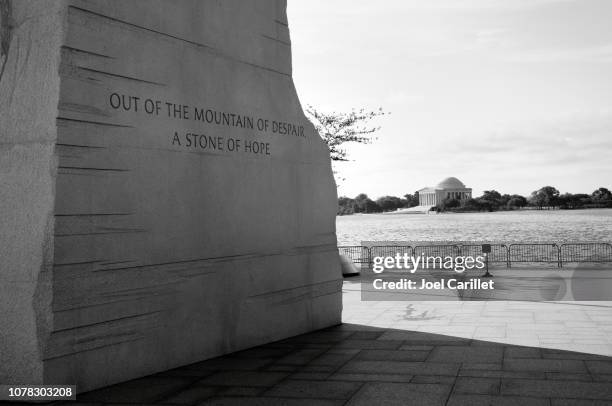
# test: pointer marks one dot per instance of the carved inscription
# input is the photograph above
(203, 140)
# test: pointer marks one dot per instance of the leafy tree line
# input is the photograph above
(546, 197)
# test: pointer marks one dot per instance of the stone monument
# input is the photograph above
(163, 198)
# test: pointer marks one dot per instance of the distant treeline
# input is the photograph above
(547, 197)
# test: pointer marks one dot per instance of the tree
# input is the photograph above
(363, 204)
(448, 203)
(346, 205)
(516, 201)
(491, 199)
(411, 200)
(545, 197)
(337, 129)
(602, 194)
(389, 203)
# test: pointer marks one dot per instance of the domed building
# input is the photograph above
(449, 188)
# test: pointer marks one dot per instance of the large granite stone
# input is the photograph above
(164, 200)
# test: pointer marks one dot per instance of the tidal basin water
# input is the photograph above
(511, 226)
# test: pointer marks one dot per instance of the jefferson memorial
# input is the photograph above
(449, 188)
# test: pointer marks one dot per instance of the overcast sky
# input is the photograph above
(509, 95)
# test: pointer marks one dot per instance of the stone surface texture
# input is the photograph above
(129, 243)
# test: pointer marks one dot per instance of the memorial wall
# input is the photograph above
(164, 199)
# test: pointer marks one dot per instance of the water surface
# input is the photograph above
(509, 226)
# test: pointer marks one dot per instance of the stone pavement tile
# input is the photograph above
(599, 367)
(487, 400)
(468, 354)
(243, 378)
(489, 332)
(67, 403)
(522, 352)
(143, 390)
(300, 357)
(475, 373)
(561, 376)
(401, 394)
(416, 347)
(229, 364)
(400, 367)
(392, 355)
(268, 401)
(351, 326)
(282, 368)
(482, 386)
(370, 344)
(544, 365)
(334, 357)
(241, 391)
(262, 352)
(322, 336)
(371, 377)
(183, 372)
(558, 389)
(491, 366)
(313, 376)
(317, 368)
(449, 380)
(191, 395)
(314, 389)
(366, 335)
(579, 402)
(421, 337)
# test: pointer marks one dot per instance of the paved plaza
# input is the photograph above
(400, 353)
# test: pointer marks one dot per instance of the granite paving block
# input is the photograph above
(371, 377)
(192, 395)
(391, 355)
(262, 352)
(482, 386)
(599, 367)
(300, 357)
(366, 335)
(562, 376)
(399, 367)
(410, 347)
(544, 365)
(558, 389)
(313, 376)
(143, 390)
(433, 379)
(229, 364)
(370, 344)
(314, 389)
(487, 366)
(468, 354)
(487, 400)
(579, 402)
(477, 373)
(246, 391)
(269, 401)
(333, 358)
(243, 378)
(522, 352)
(401, 394)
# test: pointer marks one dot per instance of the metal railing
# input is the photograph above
(508, 254)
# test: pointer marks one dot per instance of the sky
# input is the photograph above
(510, 95)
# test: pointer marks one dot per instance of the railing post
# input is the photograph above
(509, 256)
